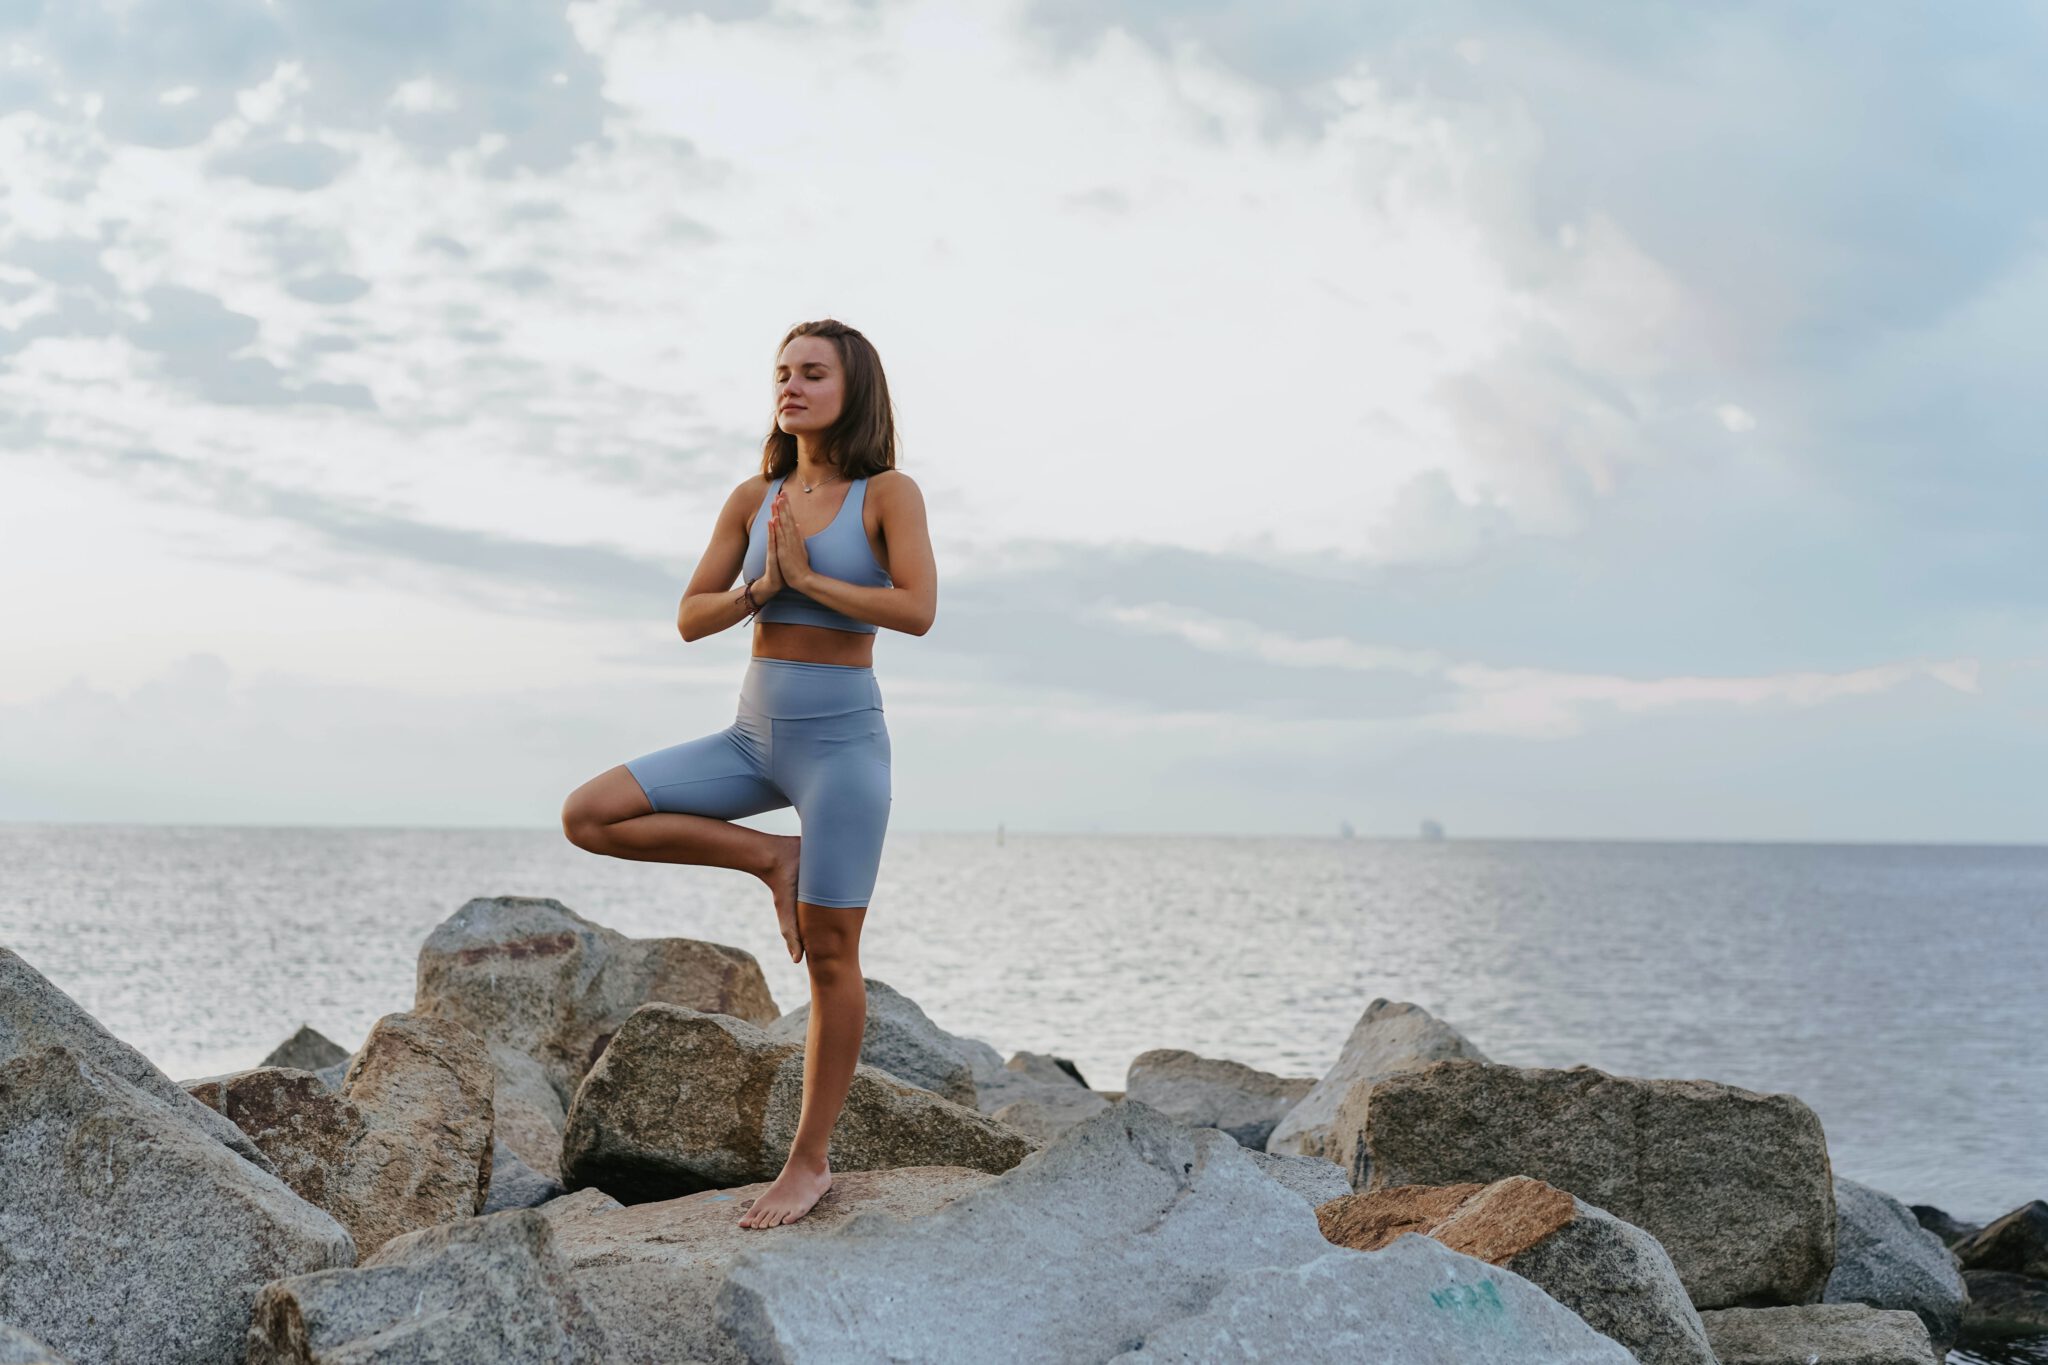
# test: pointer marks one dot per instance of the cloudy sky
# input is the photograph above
(1573, 420)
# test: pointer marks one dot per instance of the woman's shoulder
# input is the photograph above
(892, 483)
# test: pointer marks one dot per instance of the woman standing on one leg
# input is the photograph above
(830, 542)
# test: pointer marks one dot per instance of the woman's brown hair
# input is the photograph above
(863, 440)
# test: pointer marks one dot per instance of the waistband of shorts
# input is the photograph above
(754, 659)
(797, 689)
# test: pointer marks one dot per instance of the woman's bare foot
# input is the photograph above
(794, 1192)
(781, 881)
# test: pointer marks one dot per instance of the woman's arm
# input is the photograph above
(913, 602)
(711, 602)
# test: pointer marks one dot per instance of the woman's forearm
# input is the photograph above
(897, 608)
(707, 613)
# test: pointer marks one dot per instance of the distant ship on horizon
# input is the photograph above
(1344, 830)
(1432, 832)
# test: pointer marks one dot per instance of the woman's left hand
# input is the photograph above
(790, 550)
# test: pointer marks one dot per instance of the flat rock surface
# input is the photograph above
(1818, 1334)
(652, 1271)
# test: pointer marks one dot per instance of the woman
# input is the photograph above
(823, 563)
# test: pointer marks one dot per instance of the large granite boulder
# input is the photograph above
(482, 1291)
(1611, 1273)
(1390, 1036)
(2003, 1305)
(684, 1101)
(1819, 1334)
(1214, 1092)
(1417, 1302)
(545, 989)
(901, 1040)
(34, 1013)
(128, 1230)
(1734, 1185)
(2016, 1243)
(1885, 1259)
(1125, 1225)
(651, 1272)
(405, 1144)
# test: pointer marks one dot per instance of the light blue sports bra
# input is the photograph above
(841, 551)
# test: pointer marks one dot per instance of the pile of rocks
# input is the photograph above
(544, 1158)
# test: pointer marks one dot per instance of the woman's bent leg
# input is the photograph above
(677, 805)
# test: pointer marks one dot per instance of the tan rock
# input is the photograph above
(406, 1144)
(1735, 1185)
(546, 988)
(685, 1100)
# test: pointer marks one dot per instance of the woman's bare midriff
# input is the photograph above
(813, 644)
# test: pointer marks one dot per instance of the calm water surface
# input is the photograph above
(1896, 989)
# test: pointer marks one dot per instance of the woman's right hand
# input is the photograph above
(770, 581)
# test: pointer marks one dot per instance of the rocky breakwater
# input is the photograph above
(1416, 1203)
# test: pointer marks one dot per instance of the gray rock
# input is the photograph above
(899, 1039)
(2016, 1243)
(307, 1050)
(1390, 1036)
(652, 1271)
(128, 1232)
(1214, 1092)
(20, 1348)
(1885, 1259)
(516, 1185)
(545, 988)
(1417, 1302)
(1124, 1224)
(683, 1101)
(482, 1291)
(1686, 1161)
(1949, 1230)
(1313, 1178)
(2003, 1304)
(1818, 1334)
(1026, 1076)
(1611, 1273)
(34, 1013)
(1050, 1112)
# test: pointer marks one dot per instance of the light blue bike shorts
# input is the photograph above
(807, 735)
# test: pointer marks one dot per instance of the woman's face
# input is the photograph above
(809, 385)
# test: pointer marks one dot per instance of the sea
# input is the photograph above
(1896, 989)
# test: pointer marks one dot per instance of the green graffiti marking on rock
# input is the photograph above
(1478, 1300)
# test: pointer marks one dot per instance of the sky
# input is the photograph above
(1567, 421)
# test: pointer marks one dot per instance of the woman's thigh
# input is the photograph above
(836, 771)
(722, 775)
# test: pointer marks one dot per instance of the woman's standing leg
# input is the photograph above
(832, 1038)
(836, 770)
